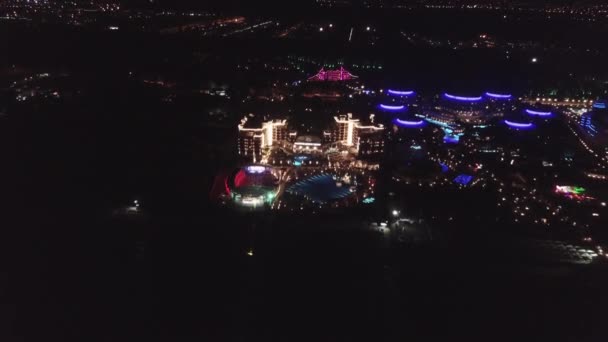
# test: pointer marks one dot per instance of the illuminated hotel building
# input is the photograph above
(250, 143)
(350, 132)
(344, 131)
(307, 144)
(370, 140)
(253, 139)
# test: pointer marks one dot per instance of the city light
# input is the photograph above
(369, 200)
(451, 139)
(572, 192)
(537, 113)
(409, 123)
(333, 75)
(518, 124)
(400, 93)
(463, 179)
(256, 169)
(395, 213)
(463, 98)
(392, 108)
(499, 96)
(534, 60)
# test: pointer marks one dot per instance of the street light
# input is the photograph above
(395, 213)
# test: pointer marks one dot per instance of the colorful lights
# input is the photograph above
(408, 123)
(333, 75)
(369, 200)
(240, 179)
(499, 96)
(400, 93)
(572, 192)
(566, 189)
(463, 98)
(392, 108)
(519, 125)
(256, 169)
(599, 105)
(538, 113)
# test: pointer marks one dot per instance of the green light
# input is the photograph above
(578, 190)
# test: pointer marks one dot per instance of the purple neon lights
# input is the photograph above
(463, 98)
(389, 107)
(499, 96)
(400, 93)
(518, 124)
(537, 113)
(408, 123)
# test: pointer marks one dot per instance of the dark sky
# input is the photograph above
(294, 4)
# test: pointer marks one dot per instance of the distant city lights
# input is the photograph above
(572, 192)
(400, 93)
(463, 98)
(519, 125)
(499, 96)
(538, 113)
(408, 123)
(392, 108)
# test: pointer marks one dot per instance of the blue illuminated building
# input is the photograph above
(594, 125)
(463, 179)
(588, 125)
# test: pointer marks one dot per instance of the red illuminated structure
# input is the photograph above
(333, 75)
